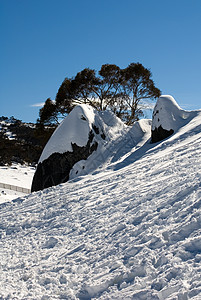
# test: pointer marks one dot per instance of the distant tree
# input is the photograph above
(138, 85)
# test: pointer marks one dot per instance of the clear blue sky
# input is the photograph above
(44, 41)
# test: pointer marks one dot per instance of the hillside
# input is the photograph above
(21, 142)
(128, 230)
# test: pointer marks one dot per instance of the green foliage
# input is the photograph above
(64, 98)
(84, 87)
(119, 90)
(48, 113)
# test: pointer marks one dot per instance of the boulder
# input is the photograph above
(167, 118)
(83, 132)
(159, 134)
(56, 168)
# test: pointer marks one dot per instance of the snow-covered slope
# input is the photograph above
(120, 141)
(131, 230)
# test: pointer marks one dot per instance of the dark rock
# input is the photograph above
(56, 168)
(103, 136)
(159, 134)
(96, 129)
(166, 118)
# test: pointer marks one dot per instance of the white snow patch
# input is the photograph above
(74, 128)
(16, 175)
(120, 140)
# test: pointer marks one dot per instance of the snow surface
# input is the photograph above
(121, 141)
(168, 114)
(19, 175)
(129, 230)
(16, 175)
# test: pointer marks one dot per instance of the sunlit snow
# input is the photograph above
(130, 229)
(171, 115)
(15, 176)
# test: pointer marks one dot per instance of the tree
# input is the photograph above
(76, 90)
(84, 87)
(48, 113)
(112, 94)
(138, 85)
(108, 88)
(98, 91)
(119, 90)
(64, 98)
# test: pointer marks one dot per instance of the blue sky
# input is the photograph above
(42, 42)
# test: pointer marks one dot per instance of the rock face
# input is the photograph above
(167, 118)
(159, 134)
(56, 168)
(80, 135)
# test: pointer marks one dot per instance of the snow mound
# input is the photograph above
(83, 132)
(168, 117)
(141, 127)
(168, 114)
(74, 128)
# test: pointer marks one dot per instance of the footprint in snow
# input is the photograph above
(51, 243)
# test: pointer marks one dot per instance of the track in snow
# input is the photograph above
(131, 231)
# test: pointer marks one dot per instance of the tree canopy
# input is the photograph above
(119, 90)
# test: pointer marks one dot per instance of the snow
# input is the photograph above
(75, 122)
(168, 114)
(130, 229)
(122, 141)
(76, 126)
(16, 175)
(7, 195)
(4, 125)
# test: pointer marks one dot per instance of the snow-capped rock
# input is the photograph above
(82, 132)
(167, 118)
(85, 139)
